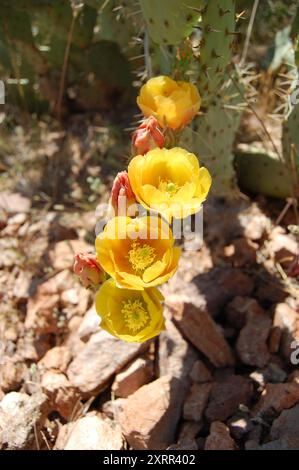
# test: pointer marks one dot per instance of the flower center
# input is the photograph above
(141, 256)
(169, 187)
(135, 315)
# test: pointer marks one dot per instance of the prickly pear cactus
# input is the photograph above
(290, 138)
(118, 22)
(212, 139)
(218, 28)
(170, 21)
(260, 171)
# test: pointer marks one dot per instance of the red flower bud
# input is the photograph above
(147, 137)
(122, 198)
(88, 269)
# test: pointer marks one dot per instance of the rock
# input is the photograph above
(176, 355)
(270, 290)
(220, 285)
(112, 408)
(242, 252)
(252, 341)
(89, 325)
(150, 416)
(139, 373)
(272, 373)
(274, 339)
(219, 438)
(14, 202)
(196, 401)
(227, 396)
(89, 433)
(187, 444)
(210, 291)
(287, 320)
(285, 443)
(21, 418)
(237, 310)
(101, 357)
(276, 398)
(202, 331)
(287, 424)
(62, 395)
(199, 373)
(240, 425)
(62, 253)
(41, 314)
(57, 358)
(12, 374)
(294, 377)
(189, 430)
(33, 348)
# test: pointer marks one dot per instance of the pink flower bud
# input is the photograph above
(147, 137)
(122, 198)
(88, 269)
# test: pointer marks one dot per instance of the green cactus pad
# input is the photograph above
(212, 138)
(260, 171)
(218, 26)
(170, 21)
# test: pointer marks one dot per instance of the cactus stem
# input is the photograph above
(215, 55)
(223, 12)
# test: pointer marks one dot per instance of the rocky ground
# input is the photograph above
(219, 377)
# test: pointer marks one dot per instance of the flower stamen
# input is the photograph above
(135, 315)
(141, 256)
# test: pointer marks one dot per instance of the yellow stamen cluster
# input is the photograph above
(135, 315)
(141, 256)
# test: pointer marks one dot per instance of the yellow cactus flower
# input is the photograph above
(169, 181)
(133, 316)
(172, 103)
(137, 253)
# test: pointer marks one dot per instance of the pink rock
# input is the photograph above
(62, 395)
(199, 327)
(99, 359)
(14, 202)
(199, 373)
(90, 433)
(196, 401)
(12, 374)
(287, 320)
(226, 397)
(287, 424)
(252, 341)
(176, 355)
(277, 397)
(150, 416)
(132, 377)
(219, 438)
(57, 358)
